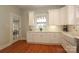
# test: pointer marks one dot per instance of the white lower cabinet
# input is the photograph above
(68, 45)
(67, 42)
(43, 37)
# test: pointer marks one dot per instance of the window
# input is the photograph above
(41, 20)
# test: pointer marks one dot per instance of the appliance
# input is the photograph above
(65, 28)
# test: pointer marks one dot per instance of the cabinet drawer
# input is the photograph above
(71, 49)
(68, 47)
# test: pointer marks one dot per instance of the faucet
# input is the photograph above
(41, 29)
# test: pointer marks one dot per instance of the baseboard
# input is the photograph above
(4, 46)
(43, 43)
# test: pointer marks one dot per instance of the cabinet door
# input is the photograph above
(54, 38)
(50, 17)
(71, 15)
(57, 38)
(77, 15)
(77, 11)
(37, 38)
(31, 18)
(47, 37)
(63, 16)
(34, 37)
(56, 18)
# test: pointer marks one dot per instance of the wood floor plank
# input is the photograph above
(22, 46)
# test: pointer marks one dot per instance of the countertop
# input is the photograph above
(46, 31)
(71, 34)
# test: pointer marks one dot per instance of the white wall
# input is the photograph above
(5, 22)
(24, 24)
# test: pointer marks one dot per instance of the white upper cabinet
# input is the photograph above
(77, 11)
(54, 17)
(31, 18)
(67, 15)
(77, 15)
(71, 15)
(50, 12)
(63, 16)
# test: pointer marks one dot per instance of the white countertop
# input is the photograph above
(71, 34)
(45, 31)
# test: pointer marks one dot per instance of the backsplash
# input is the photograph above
(55, 28)
(52, 28)
(73, 28)
(77, 28)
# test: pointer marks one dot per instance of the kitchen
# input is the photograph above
(61, 27)
(44, 24)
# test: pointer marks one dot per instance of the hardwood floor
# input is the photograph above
(22, 47)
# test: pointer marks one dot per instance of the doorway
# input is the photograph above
(15, 27)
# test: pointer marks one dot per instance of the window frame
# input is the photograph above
(43, 14)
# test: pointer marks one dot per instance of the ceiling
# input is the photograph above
(37, 7)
